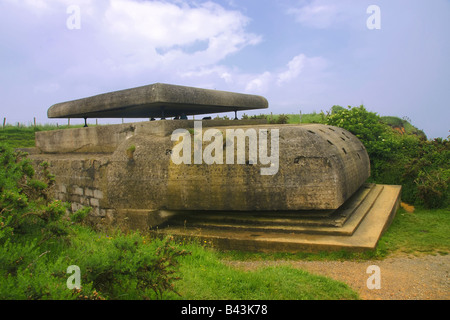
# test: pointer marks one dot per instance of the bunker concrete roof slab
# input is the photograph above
(157, 100)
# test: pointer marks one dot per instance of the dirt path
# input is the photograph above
(401, 277)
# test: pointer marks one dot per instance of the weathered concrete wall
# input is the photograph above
(106, 139)
(319, 168)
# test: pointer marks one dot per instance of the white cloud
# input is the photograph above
(301, 65)
(259, 84)
(315, 15)
(146, 29)
(132, 38)
(125, 43)
(295, 66)
(301, 69)
(324, 14)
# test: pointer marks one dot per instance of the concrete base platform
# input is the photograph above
(356, 226)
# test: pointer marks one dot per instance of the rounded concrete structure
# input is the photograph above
(318, 167)
(132, 166)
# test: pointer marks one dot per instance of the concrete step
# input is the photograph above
(361, 230)
(334, 222)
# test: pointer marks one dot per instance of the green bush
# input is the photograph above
(39, 239)
(260, 116)
(335, 109)
(433, 187)
(365, 125)
(422, 167)
(282, 119)
(393, 121)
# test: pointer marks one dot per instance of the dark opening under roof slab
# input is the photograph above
(157, 100)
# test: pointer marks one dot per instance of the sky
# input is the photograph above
(392, 56)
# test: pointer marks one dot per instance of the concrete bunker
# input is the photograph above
(318, 198)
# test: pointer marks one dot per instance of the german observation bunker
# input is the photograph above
(314, 196)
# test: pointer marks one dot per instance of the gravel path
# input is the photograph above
(402, 277)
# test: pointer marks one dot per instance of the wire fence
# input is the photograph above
(36, 125)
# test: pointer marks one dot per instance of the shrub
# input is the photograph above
(365, 125)
(260, 116)
(393, 121)
(38, 242)
(24, 200)
(336, 109)
(279, 119)
(283, 119)
(422, 167)
(377, 137)
(433, 187)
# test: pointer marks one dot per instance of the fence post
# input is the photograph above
(34, 122)
(4, 123)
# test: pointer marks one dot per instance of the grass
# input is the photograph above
(205, 276)
(295, 118)
(306, 118)
(40, 272)
(423, 232)
(24, 136)
(18, 137)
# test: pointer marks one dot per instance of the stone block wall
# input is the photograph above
(79, 180)
(80, 197)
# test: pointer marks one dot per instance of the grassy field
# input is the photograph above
(18, 137)
(24, 136)
(205, 276)
(38, 272)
